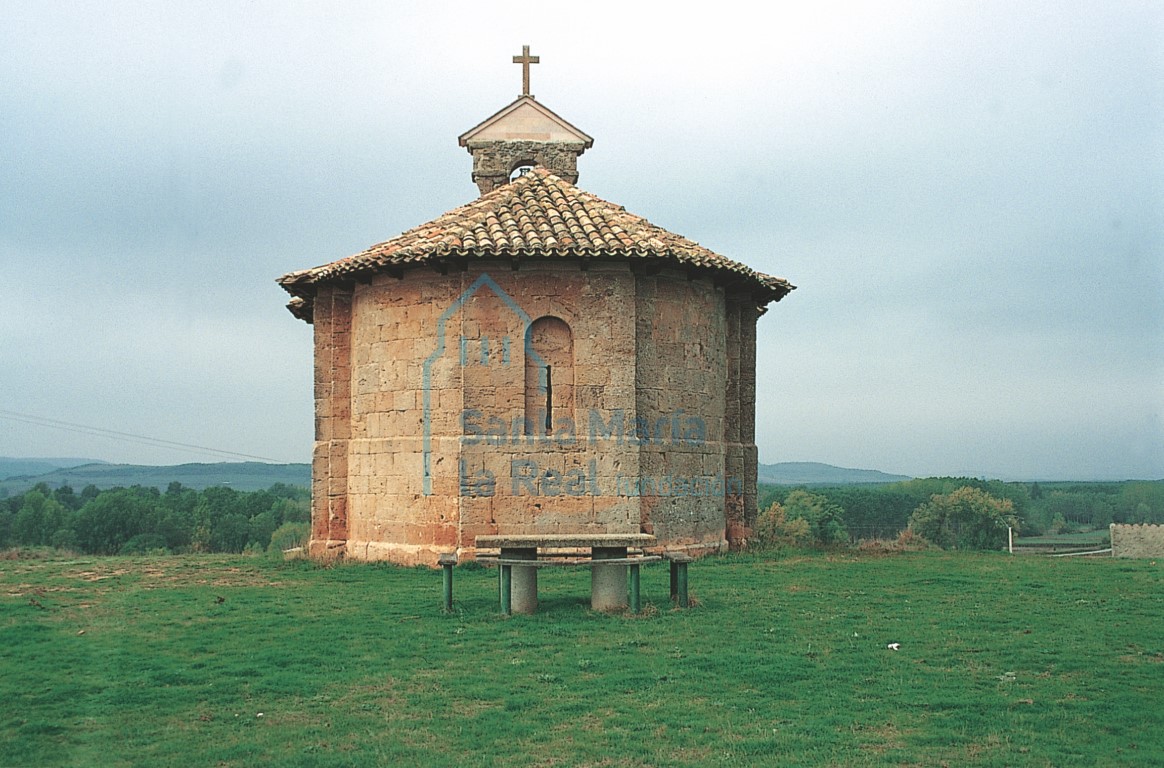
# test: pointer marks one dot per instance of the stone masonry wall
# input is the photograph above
(329, 493)
(1137, 540)
(681, 378)
(749, 315)
(493, 161)
(423, 398)
(439, 450)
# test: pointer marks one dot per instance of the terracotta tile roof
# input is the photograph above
(537, 216)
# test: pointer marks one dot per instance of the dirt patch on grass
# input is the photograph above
(881, 738)
(976, 749)
(475, 707)
(21, 553)
(33, 590)
(592, 723)
(179, 571)
(98, 575)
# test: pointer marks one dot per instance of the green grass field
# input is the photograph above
(1063, 542)
(232, 661)
(1088, 538)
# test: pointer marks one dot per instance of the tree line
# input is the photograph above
(940, 506)
(140, 519)
(961, 512)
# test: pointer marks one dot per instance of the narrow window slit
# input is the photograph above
(549, 400)
(549, 377)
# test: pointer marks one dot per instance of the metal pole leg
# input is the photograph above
(679, 561)
(635, 603)
(506, 591)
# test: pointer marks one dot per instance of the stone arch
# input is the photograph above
(519, 163)
(549, 377)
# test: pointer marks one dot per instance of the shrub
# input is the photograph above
(288, 536)
(774, 529)
(108, 522)
(825, 519)
(967, 518)
(145, 544)
(906, 541)
(66, 539)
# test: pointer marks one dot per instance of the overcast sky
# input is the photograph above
(969, 196)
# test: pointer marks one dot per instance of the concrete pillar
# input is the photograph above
(523, 581)
(446, 561)
(607, 582)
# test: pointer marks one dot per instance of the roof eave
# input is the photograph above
(303, 284)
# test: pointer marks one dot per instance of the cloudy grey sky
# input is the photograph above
(969, 196)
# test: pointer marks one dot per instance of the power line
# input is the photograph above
(125, 437)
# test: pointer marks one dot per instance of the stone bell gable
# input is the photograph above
(536, 361)
(523, 134)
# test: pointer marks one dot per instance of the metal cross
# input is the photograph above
(525, 60)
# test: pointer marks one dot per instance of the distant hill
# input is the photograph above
(18, 475)
(812, 473)
(242, 476)
(10, 467)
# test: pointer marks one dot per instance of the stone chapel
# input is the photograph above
(538, 360)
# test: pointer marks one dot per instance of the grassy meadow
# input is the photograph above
(241, 661)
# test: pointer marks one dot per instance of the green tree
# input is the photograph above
(65, 538)
(38, 519)
(288, 536)
(200, 535)
(144, 544)
(826, 520)
(6, 518)
(1140, 502)
(292, 510)
(255, 503)
(1078, 507)
(67, 498)
(966, 518)
(229, 533)
(177, 522)
(773, 528)
(872, 512)
(114, 517)
(262, 526)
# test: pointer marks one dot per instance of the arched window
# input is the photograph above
(549, 377)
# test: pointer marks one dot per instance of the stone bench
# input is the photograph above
(607, 555)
